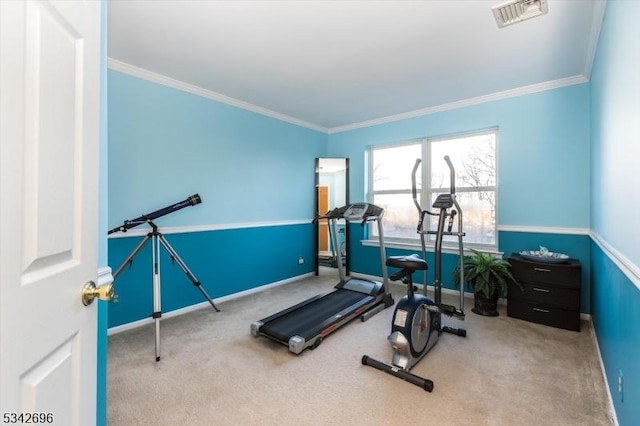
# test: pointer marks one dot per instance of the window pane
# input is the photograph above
(392, 167)
(400, 215)
(478, 210)
(473, 158)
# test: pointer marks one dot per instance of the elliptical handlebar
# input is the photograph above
(452, 174)
(448, 207)
(414, 190)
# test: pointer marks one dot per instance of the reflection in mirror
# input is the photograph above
(331, 191)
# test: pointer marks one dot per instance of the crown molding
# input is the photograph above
(144, 74)
(596, 25)
(525, 90)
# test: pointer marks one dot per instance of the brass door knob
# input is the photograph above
(104, 292)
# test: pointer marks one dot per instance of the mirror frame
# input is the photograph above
(316, 226)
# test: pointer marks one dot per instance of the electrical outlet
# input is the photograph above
(621, 385)
(300, 260)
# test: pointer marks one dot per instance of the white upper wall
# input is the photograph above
(615, 184)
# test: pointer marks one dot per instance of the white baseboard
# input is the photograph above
(191, 308)
(612, 410)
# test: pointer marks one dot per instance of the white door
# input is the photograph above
(49, 122)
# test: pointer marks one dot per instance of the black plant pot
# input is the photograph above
(486, 306)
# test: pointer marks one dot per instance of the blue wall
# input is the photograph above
(616, 129)
(615, 224)
(165, 144)
(255, 176)
(543, 164)
(616, 318)
(543, 152)
(224, 261)
(103, 249)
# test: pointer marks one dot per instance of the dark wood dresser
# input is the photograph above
(551, 293)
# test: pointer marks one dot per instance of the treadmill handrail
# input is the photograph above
(371, 213)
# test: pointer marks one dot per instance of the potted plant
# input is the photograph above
(487, 276)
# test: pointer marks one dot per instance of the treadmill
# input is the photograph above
(306, 324)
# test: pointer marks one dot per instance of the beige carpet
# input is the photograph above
(213, 372)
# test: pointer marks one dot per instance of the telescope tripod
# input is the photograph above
(157, 240)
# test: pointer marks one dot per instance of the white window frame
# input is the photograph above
(426, 192)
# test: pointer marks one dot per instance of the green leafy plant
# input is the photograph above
(485, 273)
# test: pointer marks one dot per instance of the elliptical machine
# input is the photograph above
(417, 320)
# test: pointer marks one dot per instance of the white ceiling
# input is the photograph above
(334, 65)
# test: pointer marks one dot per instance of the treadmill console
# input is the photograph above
(363, 211)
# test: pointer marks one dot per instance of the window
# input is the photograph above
(474, 159)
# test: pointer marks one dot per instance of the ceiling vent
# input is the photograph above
(512, 12)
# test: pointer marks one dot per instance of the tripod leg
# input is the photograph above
(129, 258)
(186, 270)
(157, 310)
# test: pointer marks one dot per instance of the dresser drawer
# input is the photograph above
(559, 297)
(560, 274)
(542, 314)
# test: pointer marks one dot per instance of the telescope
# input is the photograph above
(146, 218)
(157, 241)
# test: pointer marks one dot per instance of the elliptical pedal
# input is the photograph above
(451, 311)
(421, 382)
(457, 331)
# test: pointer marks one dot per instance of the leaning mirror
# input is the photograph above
(331, 191)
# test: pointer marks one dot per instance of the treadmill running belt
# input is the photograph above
(309, 320)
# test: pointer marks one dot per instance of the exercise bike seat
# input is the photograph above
(411, 262)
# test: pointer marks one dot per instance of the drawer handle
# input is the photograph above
(542, 269)
(541, 310)
(541, 290)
